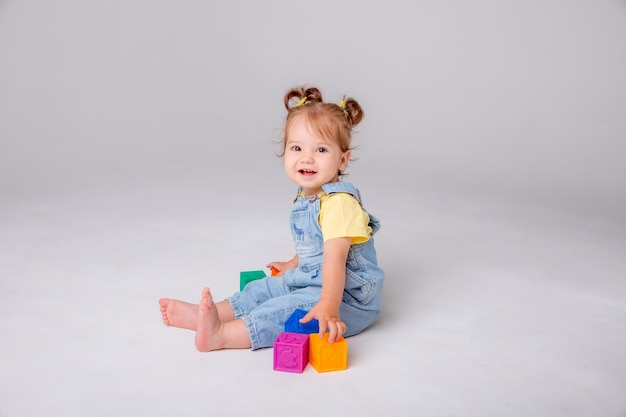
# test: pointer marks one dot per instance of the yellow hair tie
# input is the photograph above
(301, 101)
(343, 107)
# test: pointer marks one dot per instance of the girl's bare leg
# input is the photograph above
(181, 314)
(214, 334)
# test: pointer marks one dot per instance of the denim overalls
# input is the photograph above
(264, 305)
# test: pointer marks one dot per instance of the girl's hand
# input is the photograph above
(281, 267)
(327, 314)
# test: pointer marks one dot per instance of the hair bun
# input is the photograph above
(302, 95)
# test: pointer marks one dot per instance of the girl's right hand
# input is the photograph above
(278, 268)
(281, 267)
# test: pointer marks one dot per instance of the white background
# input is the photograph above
(138, 160)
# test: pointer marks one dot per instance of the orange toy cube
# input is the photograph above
(327, 357)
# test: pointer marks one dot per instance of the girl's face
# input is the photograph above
(311, 161)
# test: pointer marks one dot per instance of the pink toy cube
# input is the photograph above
(291, 352)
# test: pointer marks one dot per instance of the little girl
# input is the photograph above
(334, 275)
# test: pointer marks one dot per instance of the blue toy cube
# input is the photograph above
(291, 352)
(293, 323)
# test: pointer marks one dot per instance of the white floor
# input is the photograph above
(490, 309)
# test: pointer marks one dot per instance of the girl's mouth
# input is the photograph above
(306, 172)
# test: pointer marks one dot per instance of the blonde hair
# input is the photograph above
(331, 121)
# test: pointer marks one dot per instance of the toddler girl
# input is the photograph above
(334, 275)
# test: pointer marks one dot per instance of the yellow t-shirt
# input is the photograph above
(341, 215)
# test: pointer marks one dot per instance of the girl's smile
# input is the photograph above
(306, 172)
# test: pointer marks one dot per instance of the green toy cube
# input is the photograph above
(248, 276)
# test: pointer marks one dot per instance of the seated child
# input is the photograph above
(334, 275)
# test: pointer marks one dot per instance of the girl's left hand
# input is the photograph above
(328, 317)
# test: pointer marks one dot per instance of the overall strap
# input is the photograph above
(342, 187)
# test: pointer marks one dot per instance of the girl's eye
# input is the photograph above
(295, 148)
(322, 150)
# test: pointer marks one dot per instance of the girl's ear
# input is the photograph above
(343, 162)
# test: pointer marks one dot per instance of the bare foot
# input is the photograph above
(209, 335)
(179, 313)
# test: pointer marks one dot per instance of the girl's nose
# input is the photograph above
(306, 157)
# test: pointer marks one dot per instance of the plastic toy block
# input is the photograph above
(293, 323)
(291, 352)
(327, 357)
(274, 272)
(245, 277)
